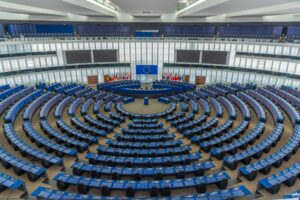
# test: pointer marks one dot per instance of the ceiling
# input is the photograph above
(202, 11)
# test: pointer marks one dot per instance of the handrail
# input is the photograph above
(126, 38)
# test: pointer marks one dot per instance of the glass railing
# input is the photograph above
(115, 38)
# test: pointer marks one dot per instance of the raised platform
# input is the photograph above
(159, 88)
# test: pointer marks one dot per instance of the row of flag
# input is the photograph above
(118, 77)
(175, 77)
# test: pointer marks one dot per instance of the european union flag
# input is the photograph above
(146, 69)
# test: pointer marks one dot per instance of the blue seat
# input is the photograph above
(44, 193)
(229, 107)
(289, 97)
(74, 106)
(184, 107)
(212, 133)
(260, 112)
(107, 106)
(175, 116)
(96, 171)
(16, 108)
(174, 99)
(195, 106)
(217, 106)
(241, 143)
(128, 100)
(71, 132)
(239, 87)
(64, 88)
(218, 90)
(183, 120)
(284, 104)
(226, 88)
(145, 138)
(49, 105)
(145, 126)
(192, 124)
(148, 131)
(275, 111)
(163, 100)
(192, 96)
(40, 85)
(86, 128)
(8, 101)
(7, 181)
(170, 110)
(99, 95)
(91, 94)
(241, 105)
(257, 150)
(218, 141)
(74, 90)
(200, 94)
(61, 138)
(36, 104)
(145, 121)
(83, 92)
(140, 161)
(49, 145)
(291, 90)
(20, 166)
(104, 150)
(208, 93)
(292, 195)
(92, 122)
(62, 106)
(85, 107)
(183, 98)
(275, 159)
(97, 106)
(199, 129)
(117, 117)
(107, 120)
(288, 176)
(53, 86)
(63, 181)
(205, 107)
(231, 193)
(26, 150)
(10, 91)
(144, 145)
(4, 87)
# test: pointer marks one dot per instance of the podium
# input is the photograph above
(147, 84)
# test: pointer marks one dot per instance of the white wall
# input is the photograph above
(147, 52)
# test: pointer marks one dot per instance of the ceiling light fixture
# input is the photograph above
(190, 6)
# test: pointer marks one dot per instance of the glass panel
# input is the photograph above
(278, 50)
(271, 50)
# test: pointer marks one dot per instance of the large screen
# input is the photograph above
(188, 56)
(214, 57)
(105, 55)
(78, 56)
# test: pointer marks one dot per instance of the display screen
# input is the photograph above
(105, 55)
(188, 56)
(214, 57)
(78, 56)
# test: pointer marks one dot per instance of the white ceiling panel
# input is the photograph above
(153, 11)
